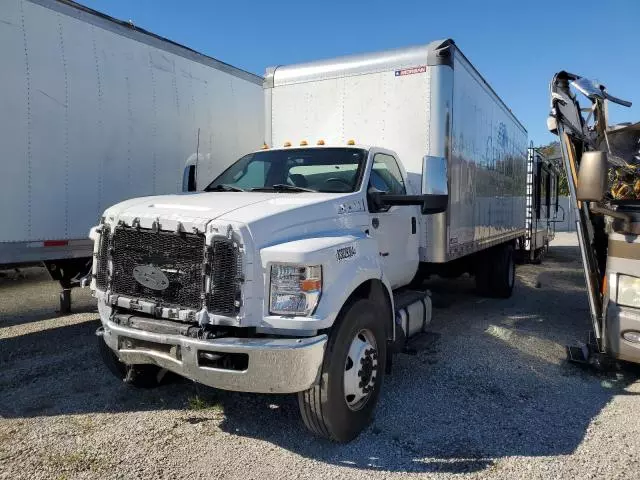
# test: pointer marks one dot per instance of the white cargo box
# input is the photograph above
(419, 101)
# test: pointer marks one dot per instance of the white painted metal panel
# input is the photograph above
(48, 189)
(487, 166)
(94, 113)
(379, 109)
(15, 152)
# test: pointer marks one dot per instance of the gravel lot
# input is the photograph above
(491, 397)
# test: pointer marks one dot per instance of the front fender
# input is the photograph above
(348, 260)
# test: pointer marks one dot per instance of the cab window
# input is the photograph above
(386, 176)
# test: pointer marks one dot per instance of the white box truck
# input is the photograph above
(93, 111)
(290, 272)
(543, 209)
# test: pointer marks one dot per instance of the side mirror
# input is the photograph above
(588, 88)
(190, 174)
(189, 179)
(592, 176)
(435, 190)
(435, 178)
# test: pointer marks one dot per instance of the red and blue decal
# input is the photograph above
(411, 71)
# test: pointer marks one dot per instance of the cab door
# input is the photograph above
(394, 228)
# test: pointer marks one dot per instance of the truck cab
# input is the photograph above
(278, 278)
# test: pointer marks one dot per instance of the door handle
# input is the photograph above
(375, 222)
(414, 227)
(384, 254)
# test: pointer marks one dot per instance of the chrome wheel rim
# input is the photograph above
(360, 370)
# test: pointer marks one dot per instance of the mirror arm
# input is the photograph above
(401, 199)
(426, 202)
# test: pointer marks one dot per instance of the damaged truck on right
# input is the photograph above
(603, 175)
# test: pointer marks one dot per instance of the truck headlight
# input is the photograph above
(295, 289)
(629, 291)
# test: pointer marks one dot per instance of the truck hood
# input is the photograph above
(196, 210)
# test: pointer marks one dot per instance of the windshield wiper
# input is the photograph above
(282, 187)
(223, 187)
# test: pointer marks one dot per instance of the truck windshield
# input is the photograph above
(337, 170)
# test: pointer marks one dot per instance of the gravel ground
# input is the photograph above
(490, 397)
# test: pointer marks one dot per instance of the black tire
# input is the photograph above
(495, 277)
(504, 272)
(140, 376)
(324, 407)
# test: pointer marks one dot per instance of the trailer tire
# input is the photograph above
(140, 376)
(357, 341)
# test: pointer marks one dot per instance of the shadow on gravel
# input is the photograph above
(35, 281)
(494, 385)
(21, 317)
(58, 371)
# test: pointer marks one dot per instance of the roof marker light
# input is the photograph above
(287, 144)
(303, 143)
(265, 146)
(351, 142)
(320, 142)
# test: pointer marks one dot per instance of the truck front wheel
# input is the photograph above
(341, 405)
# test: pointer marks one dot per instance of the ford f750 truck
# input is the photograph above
(299, 268)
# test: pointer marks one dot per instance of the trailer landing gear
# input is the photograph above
(68, 273)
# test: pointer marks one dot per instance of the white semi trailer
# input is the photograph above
(290, 273)
(93, 111)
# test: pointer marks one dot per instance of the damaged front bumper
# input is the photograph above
(260, 365)
(622, 320)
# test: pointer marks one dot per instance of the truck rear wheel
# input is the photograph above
(504, 277)
(341, 405)
(495, 276)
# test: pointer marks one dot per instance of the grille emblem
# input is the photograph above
(151, 277)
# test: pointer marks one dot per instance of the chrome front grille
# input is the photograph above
(102, 271)
(179, 257)
(225, 273)
(183, 258)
